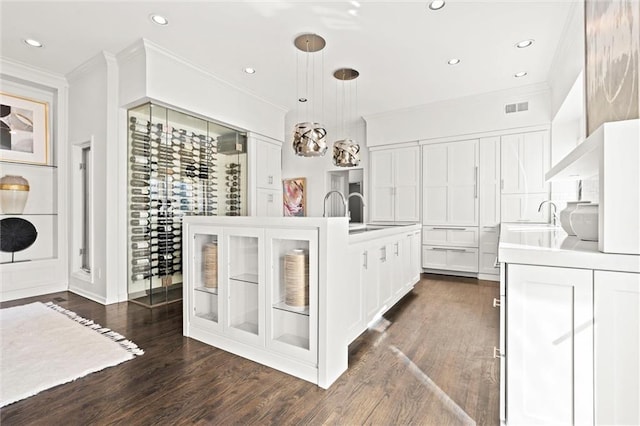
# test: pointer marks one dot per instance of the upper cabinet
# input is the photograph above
(395, 185)
(266, 155)
(524, 160)
(450, 183)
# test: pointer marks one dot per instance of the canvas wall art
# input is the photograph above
(24, 130)
(294, 197)
(612, 42)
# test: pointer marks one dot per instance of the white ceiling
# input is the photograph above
(401, 48)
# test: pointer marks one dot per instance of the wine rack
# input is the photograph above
(174, 171)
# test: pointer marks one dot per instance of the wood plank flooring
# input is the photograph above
(427, 362)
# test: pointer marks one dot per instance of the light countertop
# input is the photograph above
(545, 245)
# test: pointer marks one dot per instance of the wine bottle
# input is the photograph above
(232, 196)
(140, 245)
(139, 222)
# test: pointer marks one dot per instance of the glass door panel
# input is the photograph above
(206, 277)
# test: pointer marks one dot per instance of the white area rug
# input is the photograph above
(44, 345)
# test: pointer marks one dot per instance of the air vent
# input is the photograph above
(521, 106)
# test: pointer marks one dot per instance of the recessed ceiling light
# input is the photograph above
(250, 70)
(436, 4)
(524, 43)
(355, 3)
(353, 12)
(453, 61)
(33, 43)
(302, 99)
(159, 19)
(520, 74)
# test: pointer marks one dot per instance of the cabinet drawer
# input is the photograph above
(488, 250)
(450, 258)
(458, 236)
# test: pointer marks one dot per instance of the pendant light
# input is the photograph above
(346, 152)
(309, 136)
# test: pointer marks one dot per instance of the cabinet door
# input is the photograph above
(244, 284)
(524, 161)
(523, 208)
(268, 202)
(489, 185)
(292, 292)
(204, 277)
(407, 184)
(549, 345)
(268, 165)
(353, 294)
(435, 184)
(416, 254)
(370, 280)
(462, 183)
(617, 348)
(401, 258)
(385, 273)
(382, 188)
(488, 250)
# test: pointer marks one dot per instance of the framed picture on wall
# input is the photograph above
(24, 136)
(612, 43)
(294, 197)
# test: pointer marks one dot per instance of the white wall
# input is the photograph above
(34, 277)
(91, 107)
(315, 169)
(461, 116)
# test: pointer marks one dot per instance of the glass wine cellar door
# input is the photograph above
(179, 165)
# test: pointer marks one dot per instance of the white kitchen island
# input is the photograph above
(570, 330)
(235, 291)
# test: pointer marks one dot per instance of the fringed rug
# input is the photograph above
(45, 345)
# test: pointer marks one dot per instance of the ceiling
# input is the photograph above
(400, 48)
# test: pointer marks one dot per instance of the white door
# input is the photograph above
(617, 348)
(534, 153)
(382, 174)
(268, 165)
(510, 164)
(268, 202)
(416, 253)
(435, 184)
(549, 345)
(489, 185)
(370, 280)
(462, 183)
(354, 293)
(407, 184)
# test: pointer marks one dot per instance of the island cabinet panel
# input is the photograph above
(253, 288)
(549, 353)
(617, 348)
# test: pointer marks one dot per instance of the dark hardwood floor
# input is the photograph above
(428, 362)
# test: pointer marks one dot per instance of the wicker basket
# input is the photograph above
(296, 279)
(210, 265)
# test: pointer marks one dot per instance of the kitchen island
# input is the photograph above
(569, 329)
(244, 277)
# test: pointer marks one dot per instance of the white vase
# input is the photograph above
(14, 191)
(584, 221)
(565, 215)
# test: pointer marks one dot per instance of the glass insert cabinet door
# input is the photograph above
(245, 284)
(179, 165)
(207, 291)
(292, 292)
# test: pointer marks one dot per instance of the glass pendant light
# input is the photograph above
(309, 136)
(346, 152)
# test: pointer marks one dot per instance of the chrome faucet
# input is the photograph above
(355, 194)
(554, 215)
(344, 202)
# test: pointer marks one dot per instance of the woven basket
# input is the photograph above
(210, 265)
(296, 279)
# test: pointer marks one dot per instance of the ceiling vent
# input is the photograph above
(521, 106)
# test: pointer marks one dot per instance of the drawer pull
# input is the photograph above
(497, 353)
(447, 228)
(448, 249)
(366, 258)
(496, 303)
(490, 227)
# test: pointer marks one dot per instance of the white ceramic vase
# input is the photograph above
(565, 215)
(584, 221)
(14, 191)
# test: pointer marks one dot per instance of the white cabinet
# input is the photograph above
(450, 183)
(464, 259)
(265, 175)
(549, 356)
(617, 348)
(524, 160)
(395, 185)
(489, 206)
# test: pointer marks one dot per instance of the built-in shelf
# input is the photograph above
(249, 327)
(294, 340)
(212, 316)
(284, 307)
(247, 278)
(207, 290)
(582, 162)
(15, 163)
(27, 214)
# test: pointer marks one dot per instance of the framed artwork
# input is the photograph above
(24, 136)
(294, 197)
(612, 43)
